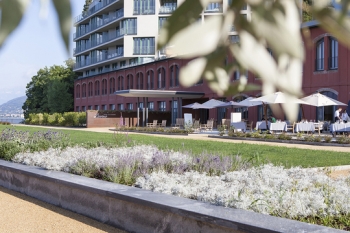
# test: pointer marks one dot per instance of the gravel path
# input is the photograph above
(21, 213)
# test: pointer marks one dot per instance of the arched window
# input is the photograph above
(174, 76)
(333, 54)
(139, 78)
(90, 89)
(97, 88)
(77, 91)
(104, 87)
(161, 78)
(120, 83)
(130, 81)
(111, 85)
(84, 90)
(150, 80)
(320, 55)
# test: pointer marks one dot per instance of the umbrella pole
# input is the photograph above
(302, 112)
(265, 113)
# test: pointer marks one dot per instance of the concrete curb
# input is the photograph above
(137, 210)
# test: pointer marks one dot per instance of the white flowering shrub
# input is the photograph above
(267, 189)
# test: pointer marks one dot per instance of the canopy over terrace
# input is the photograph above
(145, 94)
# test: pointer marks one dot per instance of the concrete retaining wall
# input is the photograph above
(137, 210)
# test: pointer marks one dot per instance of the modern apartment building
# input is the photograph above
(116, 50)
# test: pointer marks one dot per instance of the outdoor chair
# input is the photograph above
(196, 125)
(226, 123)
(179, 122)
(208, 125)
(154, 124)
(319, 127)
(290, 127)
(249, 126)
(163, 124)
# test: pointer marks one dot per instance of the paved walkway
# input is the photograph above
(26, 214)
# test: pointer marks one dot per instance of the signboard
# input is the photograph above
(236, 117)
(188, 120)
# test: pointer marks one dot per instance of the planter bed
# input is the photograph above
(145, 132)
(292, 141)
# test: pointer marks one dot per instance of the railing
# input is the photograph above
(167, 9)
(213, 9)
(149, 50)
(319, 64)
(106, 20)
(333, 63)
(105, 38)
(94, 9)
(111, 54)
(144, 11)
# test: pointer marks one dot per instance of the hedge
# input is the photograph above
(57, 119)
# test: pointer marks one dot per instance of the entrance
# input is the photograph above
(325, 113)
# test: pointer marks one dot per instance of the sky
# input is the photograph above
(35, 43)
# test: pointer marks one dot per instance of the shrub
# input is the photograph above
(284, 136)
(343, 140)
(327, 139)
(45, 119)
(70, 119)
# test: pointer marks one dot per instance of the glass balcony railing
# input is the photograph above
(107, 55)
(104, 21)
(144, 50)
(104, 39)
(144, 11)
(94, 9)
(167, 9)
(213, 8)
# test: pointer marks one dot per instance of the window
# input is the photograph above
(104, 87)
(161, 22)
(214, 7)
(144, 46)
(111, 85)
(234, 39)
(174, 76)
(130, 106)
(161, 78)
(128, 27)
(90, 91)
(120, 83)
(84, 91)
(97, 88)
(140, 105)
(121, 106)
(130, 81)
(150, 80)
(77, 108)
(104, 107)
(139, 78)
(150, 106)
(144, 7)
(90, 107)
(111, 107)
(333, 53)
(162, 106)
(97, 107)
(77, 91)
(320, 55)
(83, 108)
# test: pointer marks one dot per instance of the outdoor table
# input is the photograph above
(340, 127)
(278, 126)
(239, 126)
(305, 127)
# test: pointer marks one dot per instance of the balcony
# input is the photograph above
(110, 54)
(144, 50)
(214, 8)
(104, 39)
(104, 21)
(167, 9)
(93, 10)
(144, 11)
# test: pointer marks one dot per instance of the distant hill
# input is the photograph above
(13, 106)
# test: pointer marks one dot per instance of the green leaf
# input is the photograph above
(64, 12)
(11, 13)
(186, 14)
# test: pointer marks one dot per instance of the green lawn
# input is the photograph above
(276, 154)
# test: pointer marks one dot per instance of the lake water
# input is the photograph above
(12, 120)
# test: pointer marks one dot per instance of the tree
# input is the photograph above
(86, 6)
(51, 90)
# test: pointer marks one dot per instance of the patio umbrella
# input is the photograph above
(277, 98)
(195, 106)
(212, 103)
(319, 100)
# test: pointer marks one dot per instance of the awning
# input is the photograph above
(159, 94)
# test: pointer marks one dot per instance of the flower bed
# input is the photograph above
(294, 193)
